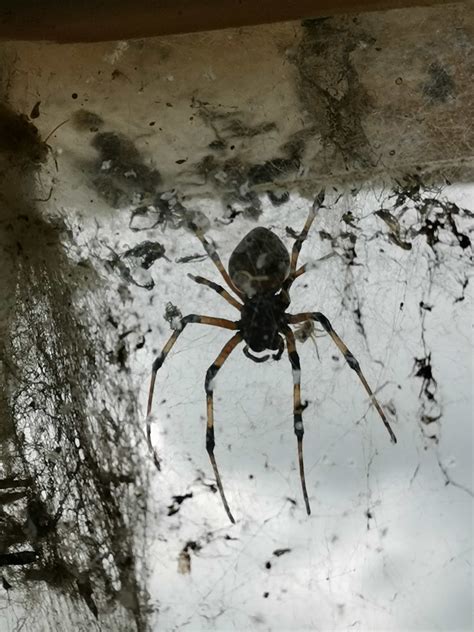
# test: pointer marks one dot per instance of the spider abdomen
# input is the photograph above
(260, 263)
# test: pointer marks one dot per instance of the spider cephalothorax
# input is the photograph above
(262, 319)
(261, 273)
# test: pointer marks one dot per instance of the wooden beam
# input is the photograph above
(105, 20)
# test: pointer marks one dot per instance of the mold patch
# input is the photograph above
(440, 86)
(84, 120)
(330, 90)
(120, 174)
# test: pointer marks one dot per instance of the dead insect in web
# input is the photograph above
(308, 331)
(261, 273)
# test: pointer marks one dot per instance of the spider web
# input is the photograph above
(351, 556)
(96, 277)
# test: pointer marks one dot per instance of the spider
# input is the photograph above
(261, 273)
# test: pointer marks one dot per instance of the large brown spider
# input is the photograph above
(261, 274)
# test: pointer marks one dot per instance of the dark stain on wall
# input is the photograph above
(440, 86)
(330, 91)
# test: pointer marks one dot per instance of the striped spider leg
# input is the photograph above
(350, 359)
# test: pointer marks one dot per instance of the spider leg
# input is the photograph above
(297, 408)
(217, 288)
(191, 318)
(301, 270)
(308, 266)
(318, 202)
(294, 273)
(209, 386)
(351, 361)
(212, 252)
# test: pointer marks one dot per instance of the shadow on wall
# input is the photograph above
(68, 494)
